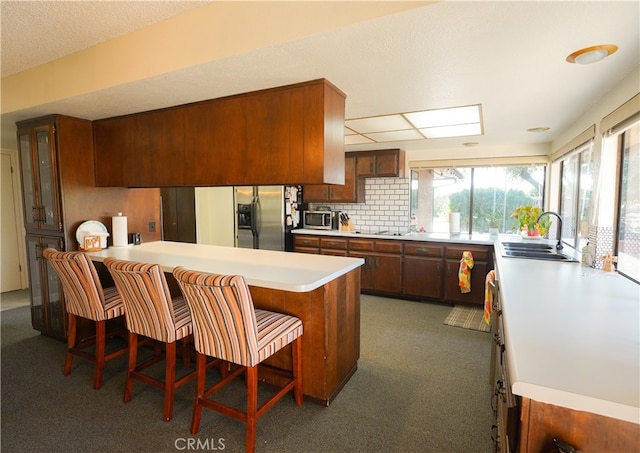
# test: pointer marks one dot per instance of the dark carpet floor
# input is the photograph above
(421, 386)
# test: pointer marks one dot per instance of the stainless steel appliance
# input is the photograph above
(265, 216)
(321, 220)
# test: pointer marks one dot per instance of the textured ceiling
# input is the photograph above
(36, 32)
(509, 57)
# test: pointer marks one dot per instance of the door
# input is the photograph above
(11, 240)
(178, 214)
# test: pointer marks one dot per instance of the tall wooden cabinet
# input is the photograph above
(59, 193)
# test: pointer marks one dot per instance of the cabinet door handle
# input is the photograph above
(371, 168)
(38, 250)
(438, 267)
(448, 270)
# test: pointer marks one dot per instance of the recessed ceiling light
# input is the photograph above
(538, 129)
(592, 54)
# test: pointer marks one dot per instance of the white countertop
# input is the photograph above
(296, 272)
(476, 238)
(572, 335)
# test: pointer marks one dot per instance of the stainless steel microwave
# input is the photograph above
(321, 220)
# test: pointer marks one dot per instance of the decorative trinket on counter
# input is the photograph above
(607, 262)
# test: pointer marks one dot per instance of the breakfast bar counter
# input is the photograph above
(323, 291)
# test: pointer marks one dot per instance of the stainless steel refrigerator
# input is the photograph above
(265, 216)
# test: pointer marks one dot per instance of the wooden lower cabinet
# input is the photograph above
(482, 257)
(382, 271)
(423, 270)
(423, 277)
(306, 244)
(409, 269)
(333, 246)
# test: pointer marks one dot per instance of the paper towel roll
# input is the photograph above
(454, 223)
(119, 226)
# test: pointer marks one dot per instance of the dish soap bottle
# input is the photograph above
(587, 255)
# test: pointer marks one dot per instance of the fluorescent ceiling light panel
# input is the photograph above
(394, 136)
(461, 130)
(445, 117)
(356, 140)
(379, 123)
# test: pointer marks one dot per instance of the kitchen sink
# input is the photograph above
(534, 251)
(526, 246)
(539, 255)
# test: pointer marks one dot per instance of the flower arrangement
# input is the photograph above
(527, 217)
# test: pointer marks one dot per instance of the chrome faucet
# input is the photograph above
(559, 244)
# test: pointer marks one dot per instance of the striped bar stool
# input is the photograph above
(86, 298)
(226, 326)
(151, 312)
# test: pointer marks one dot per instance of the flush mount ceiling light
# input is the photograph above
(592, 54)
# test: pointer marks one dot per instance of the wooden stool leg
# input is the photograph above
(186, 353)
(101, 332)
(169, 380)
(296, 351)
(252, 407)
(71, 342)
(133, 355)
(201, 370)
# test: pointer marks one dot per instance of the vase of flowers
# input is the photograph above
(527, 218)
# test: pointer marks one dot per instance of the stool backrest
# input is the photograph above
(223, 316)
(147, 300)
(81, 285)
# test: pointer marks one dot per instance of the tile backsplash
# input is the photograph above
(386, 206)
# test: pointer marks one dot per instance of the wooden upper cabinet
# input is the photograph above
(286, 135)
(115, 158)
(159, 148)
(352, 191)
(215, 142)
(380, 163)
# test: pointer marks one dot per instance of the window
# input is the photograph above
(485, 197)
(575, 196)
(628, 238)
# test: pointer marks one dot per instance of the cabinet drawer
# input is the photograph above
(306, 241)
(388, 246)
(422, 249)
(333, 243)
(479, 253)
(361, 244)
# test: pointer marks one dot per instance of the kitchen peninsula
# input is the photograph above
(323, 291)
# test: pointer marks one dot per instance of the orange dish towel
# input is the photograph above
(488, 296)
(464, 274)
